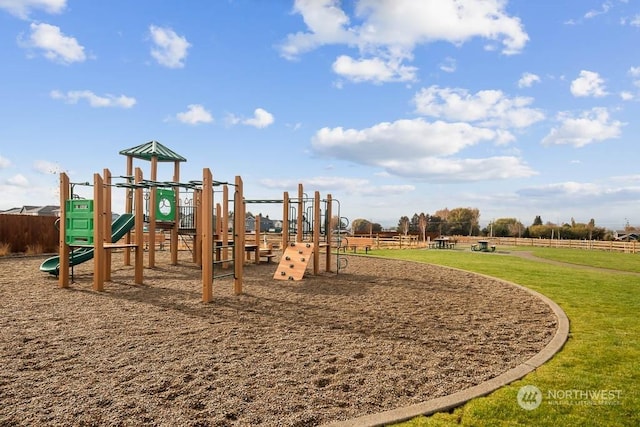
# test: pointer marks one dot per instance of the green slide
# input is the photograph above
(119, 228)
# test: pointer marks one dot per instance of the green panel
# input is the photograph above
(165, 205)
(79, 222)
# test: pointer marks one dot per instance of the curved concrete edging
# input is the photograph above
(454, 400)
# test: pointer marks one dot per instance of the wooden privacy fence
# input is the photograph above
(29, 233)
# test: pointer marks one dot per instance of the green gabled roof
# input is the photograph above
(153, 149)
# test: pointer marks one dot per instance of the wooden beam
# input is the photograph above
(98, 233)
(238, 235)
(139, 230)
(106, 174)
(328, 232)
(316, 233)
(63, 248)
(176, 220)
(152, 211)
(300, 224)
(285, 220)
(225, 225)
(197, 241)
(207, 235)
(128, 208)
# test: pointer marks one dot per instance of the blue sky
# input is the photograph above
(395, 107)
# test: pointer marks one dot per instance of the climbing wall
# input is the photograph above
(294, 261)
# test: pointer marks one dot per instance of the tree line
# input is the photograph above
(465, 222)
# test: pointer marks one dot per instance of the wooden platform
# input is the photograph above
(294, 261)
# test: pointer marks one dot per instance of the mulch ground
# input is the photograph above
(379, 335)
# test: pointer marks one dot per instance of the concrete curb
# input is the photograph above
(454, 400)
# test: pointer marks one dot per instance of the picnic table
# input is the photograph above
(483, 246)
(442, 243)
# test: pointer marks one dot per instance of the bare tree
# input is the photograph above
(423, 222)
(403, 225)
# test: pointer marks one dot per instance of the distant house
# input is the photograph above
(48, 210)
(266, 224)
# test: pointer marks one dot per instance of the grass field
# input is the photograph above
(595, 379)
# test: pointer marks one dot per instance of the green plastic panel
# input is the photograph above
(79, 222)
(165, 205)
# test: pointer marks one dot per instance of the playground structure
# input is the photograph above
(86, 233)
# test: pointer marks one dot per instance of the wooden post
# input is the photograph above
(207, 235)
(225, 224)
(197, 241)
(238, 236)
(106, 174)
(316, 233)
(176, 220)
(328, 232)
(285, 220)
(139, 229)
(98, 233)
(128, 208)
(257, 227)
(217, 233)
(300, 224)
(63, 248)
(152, 212)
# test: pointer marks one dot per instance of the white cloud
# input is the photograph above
(405, 23)
(169, 48)
(57, 47)
(418, 149)
(261, 119)
(337, 183)
(487, 107)
(635, 21)
(606, 6)
(18, 180)
(581, 193)
(231, 119)
(634, 71)
(325, 22)
(108, 100)
(402, 139)
(448, 169)
(590, 126)
(375, 70)
(448, 65)
(626, 96)
(4, 162)
(22, 8)
(588, 84)
(194, 115)
(385, 32)
(528, 79)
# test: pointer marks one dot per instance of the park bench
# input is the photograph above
(355, 243)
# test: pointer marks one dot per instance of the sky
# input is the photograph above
(394, 107)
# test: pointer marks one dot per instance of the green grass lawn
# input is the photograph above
(602, 354)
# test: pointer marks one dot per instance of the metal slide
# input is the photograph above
(119, 228)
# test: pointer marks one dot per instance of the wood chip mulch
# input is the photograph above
(379, 335)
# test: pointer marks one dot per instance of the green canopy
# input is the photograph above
(153, 149)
